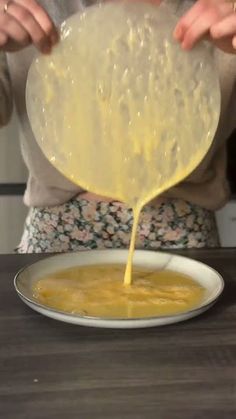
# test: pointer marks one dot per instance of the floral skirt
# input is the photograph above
(81, 224)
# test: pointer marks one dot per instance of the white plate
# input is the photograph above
(203, 274)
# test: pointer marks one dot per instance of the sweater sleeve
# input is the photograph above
(6, 97)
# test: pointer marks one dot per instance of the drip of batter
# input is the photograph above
(128, 270)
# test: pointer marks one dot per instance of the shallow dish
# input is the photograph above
(203, 274)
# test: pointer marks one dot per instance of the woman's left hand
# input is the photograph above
(215, 19)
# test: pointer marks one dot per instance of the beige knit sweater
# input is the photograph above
(207, 186)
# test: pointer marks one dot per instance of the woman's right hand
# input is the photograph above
(25, 22)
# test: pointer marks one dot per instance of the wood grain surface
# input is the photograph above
(52, 370)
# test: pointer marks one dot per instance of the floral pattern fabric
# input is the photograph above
(81, 225)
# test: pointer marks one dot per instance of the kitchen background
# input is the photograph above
(13, 175)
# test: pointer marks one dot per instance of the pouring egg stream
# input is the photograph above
(120, 109)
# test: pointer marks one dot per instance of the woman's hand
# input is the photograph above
(25, 22)
(215, 19)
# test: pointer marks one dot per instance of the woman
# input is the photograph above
(63, 217)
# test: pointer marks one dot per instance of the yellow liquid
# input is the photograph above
(98, 291)
(128, 270)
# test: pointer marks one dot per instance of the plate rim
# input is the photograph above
(110, 320)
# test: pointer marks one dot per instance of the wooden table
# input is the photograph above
(53, 370)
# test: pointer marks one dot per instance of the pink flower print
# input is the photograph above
(53, 223)
(58, 246)
(75, 212)
(200, 221)
(198, 235)
(190, 221)
(160, 230)
(68, 218)
(100, 243)
(81, 235)
(36, 250)
(89, 211)
(173, 235)
(68, 227)
(43, 226)
(115, 207)
(98, 227)
(64, 247)
(156, 244)
(31, 249)
(126, 228)
(60, 229)
(110, 219)
(104, 208)
(124, 216)
(86, 236)
(146, 217)
(54, 220)
(108, 243)
(182, 208)
(144, 230)
(64, 238)
(192, 241)
(74, 233)
(152, 236)
(57, 210)
(167, 215)
(105, 235)
(49, 228)
(125, 237)
(46, 216)
(96, 216)
(208, 223)
(110, 230)
(195, 227)
(139, 242)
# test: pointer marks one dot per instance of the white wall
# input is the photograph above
(12, 170)
(226, 221)
(12, 216)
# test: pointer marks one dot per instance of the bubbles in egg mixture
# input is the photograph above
(97, 290)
